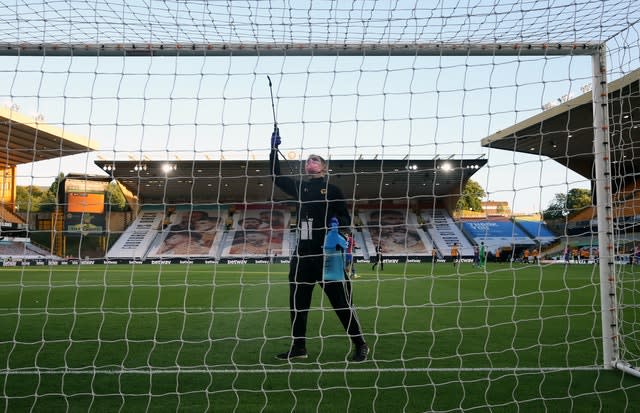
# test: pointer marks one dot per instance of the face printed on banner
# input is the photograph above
(257, 238)
(251, 223)
(315, 165)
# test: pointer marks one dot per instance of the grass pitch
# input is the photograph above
(204, 337)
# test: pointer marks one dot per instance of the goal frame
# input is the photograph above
(601, 138)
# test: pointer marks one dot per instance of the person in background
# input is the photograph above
(455, 254)
(378, 259)
(349, 263)
(476, 255)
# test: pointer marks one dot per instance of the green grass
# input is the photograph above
(203, 338)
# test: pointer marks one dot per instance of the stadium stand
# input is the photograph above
(397, 230)
(14, 239)
(189, 233)
(361, 251)
(260, 231)
(444, 232)
(497, 234)
(138, 237)
(21, 249)
(537, 230)
(9, 217)
(218, 185)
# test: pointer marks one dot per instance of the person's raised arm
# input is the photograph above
(288, 185)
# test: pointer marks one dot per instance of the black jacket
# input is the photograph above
(318, 201)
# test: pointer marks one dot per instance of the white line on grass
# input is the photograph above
(28, 372)
(231, 309)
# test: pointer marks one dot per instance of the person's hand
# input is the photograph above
(275, 139)
(333, 223)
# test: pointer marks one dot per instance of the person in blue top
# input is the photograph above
(320, 205)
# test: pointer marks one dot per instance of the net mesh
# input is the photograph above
(146, 250)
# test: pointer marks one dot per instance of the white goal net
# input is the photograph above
(481, 155)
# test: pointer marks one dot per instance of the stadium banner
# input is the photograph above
(84, 206)
(258, 231)
(85, 195)
(621, 259)
(190, 232)
(28, 262)
(85, 202)
(397, 231)
(83, 223)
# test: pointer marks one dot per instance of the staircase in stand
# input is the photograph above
(135, 241)
(444, 232)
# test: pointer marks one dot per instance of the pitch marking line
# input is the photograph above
(293, 370)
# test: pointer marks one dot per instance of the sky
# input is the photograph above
(167, 108)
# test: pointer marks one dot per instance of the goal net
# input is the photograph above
(481, 155)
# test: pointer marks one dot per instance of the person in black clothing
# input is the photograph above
(318, 204)
(378, 259)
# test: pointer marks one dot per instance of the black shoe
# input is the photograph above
(294, 353)
(361, 353)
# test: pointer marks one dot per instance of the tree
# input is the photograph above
(565, 204)
(29, 198)
(34, 198)
(50, 199)
(557, 207)
(115, 199)
(471, 197)
(578, 198)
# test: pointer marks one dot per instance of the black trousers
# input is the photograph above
(378, 260)
(305, 272)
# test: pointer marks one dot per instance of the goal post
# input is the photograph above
(603, 184)
(601, 139)
(298, 49)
